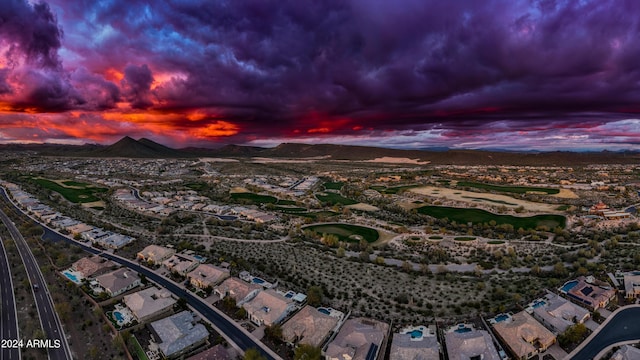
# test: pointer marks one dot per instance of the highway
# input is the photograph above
(624, 326)
(44, 304)
(8, 313)
(231, 329)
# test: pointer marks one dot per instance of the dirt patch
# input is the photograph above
(385, 237)
(62, 183)
(363, 207)
(566, 194)
(94, 204)
(238, 189)
(396, 160)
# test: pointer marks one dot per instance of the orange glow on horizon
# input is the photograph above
(323, 130)
(217, 129)
(197, 116)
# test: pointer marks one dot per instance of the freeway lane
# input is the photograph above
(227, 326)
(44, 304)
(8, 313)
(624, 326)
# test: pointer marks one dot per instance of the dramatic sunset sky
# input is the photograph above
(516, 74)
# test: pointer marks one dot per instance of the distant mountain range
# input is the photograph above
(145, 148)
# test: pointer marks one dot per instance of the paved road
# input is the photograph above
(228, 327)
(624, 326)
(8, 313)
(44, 304)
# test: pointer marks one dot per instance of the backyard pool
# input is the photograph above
(71, 275)
(568, 286)
(200, 258)
(324, 311)
(118, 316)
(536, 304)
(501, 317)
(257, 280)
(415, 334)
(463, 328)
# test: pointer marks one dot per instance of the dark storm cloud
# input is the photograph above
(32, 77)
(47, 91)
(137, 86)
(31, 30)
(5, 87)
(335, 67)
(100, 93)
(414, 61)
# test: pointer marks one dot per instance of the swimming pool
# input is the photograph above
(200, 258)
(227, 217)
(569, 285)
(118, 316)
(324, 311)
(71, 276)
(416, 334)
(257, 280)
(463, 330)
(536, 304)
(501, 317)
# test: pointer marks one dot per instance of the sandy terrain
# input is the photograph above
(260, 160)
(474, 198)
(396, 160)
(566, 194)
(218, 160)
(363, 207)
(238, 189)
(61, 183)
(385, 237)
(94, 204)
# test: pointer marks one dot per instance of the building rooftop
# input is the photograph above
(92, 265)
(591, 292)
(268, 305)
(470, 345)
(631, 283)
(218, 352)
(626, 352)
(560, 313)
(178, 332)
(117, 280)
(308, 326)
(181, 263)
(148, 302)
(524, 335)
(155, 253)
(407, 346)
(236, 288)
(207, 275)
(358, 339)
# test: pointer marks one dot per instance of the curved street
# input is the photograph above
(228, 327)
(623, 325)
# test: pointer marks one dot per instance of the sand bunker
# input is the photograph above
(363, 207)
(238, 189)
(94, 204)
(566, 194)
(482, 198)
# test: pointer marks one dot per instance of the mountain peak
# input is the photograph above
(144, 148)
